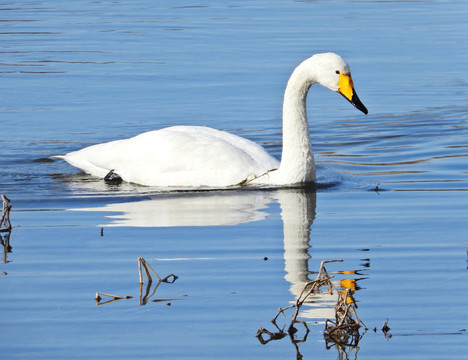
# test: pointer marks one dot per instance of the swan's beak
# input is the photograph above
(346, 88)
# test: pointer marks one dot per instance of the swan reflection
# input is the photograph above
(230, 208)
(188, 209)
(298, 215)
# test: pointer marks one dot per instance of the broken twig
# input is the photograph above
(143, 299)
(344, 331)
(5, 224)
(98, 298)
(146, 267)
(310, 288)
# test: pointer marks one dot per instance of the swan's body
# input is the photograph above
(194, 156)
(177, 156)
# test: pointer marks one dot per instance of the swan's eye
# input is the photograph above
(337, 71)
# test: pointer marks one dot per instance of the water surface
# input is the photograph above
(392, 204)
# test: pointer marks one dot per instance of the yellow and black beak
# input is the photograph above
(346, 88)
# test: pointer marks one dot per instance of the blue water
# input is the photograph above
(78, 73)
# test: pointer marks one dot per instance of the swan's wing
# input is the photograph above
(177, 156)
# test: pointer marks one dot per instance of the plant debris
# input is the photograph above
(5, 227)
(98, 298)
(310, 288)
(342, 332)
(386, 329)
(143, 263)
(143, 299)
(5, 224)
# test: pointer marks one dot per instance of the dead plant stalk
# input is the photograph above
(5, 219)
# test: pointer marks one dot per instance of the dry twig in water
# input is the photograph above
(310, 288)
(5, 224)
(143, 263)
(98, 298)
(344, 331)
(143, 299)
(386, 329)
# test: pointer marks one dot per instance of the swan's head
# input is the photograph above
(333, 72)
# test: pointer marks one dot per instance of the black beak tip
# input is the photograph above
(358, 104)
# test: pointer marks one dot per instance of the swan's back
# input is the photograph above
(177, 156)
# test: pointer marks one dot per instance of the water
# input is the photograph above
(393, 204)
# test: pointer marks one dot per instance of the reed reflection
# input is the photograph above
(5, 242)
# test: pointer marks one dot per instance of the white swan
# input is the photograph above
(195, 156)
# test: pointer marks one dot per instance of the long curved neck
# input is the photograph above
(297, 159)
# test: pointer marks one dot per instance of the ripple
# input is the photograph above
(427, 146)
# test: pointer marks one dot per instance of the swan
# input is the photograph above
(199, 157)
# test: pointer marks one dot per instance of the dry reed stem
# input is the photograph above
(5, 219)
(281, 311)
(345, 326)
(114, 298)
(344, 331)
(143, 263)
(310, 288)
(109, 295)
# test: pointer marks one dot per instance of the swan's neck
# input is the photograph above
(297, 159)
